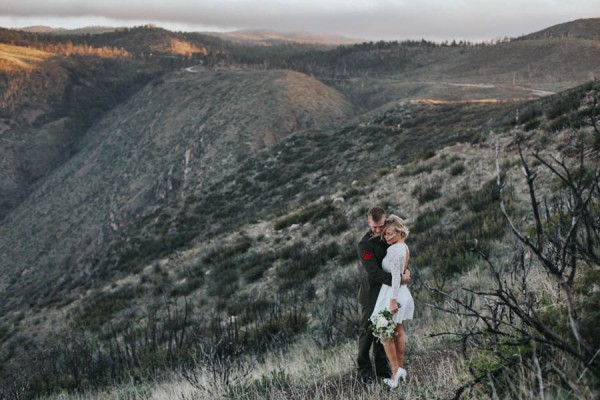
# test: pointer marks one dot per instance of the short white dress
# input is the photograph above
(393, 262)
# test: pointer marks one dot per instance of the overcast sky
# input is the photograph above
(366, 19)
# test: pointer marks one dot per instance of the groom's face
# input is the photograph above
(376, 227)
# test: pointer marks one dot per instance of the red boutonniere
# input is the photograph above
(367, 255)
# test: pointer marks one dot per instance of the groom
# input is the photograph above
(371, 250)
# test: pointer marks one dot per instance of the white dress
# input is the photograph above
(393, 262)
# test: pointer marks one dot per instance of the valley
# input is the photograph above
(180, 202)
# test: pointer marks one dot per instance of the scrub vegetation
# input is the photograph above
(224, 264)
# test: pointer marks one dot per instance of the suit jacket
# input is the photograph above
(371, 251)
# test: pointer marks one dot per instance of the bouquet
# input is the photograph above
(383, 326)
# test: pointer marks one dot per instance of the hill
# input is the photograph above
(193, 205)
(148, 43)
(277, 229)
(588, 29)
(146, 153)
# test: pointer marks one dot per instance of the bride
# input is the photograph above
(396, 298)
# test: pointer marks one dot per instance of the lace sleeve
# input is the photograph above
(397, 258)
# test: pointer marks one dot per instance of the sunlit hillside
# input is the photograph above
(14, 58)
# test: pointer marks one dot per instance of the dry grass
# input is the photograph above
(308, 372)
(14, 58)
(176, 46)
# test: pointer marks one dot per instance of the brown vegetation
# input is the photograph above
(13, 58)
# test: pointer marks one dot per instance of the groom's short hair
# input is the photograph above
(376, 213)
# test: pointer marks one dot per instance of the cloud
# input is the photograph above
(384, 19)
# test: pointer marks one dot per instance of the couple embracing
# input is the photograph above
(384, 256)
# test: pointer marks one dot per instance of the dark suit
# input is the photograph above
(371, 251)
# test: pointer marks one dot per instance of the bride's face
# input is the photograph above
(391, 236)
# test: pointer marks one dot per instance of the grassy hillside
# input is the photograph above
(243, 285)
(200, 229)
(14, 58)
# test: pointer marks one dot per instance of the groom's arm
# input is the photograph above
(371, 265)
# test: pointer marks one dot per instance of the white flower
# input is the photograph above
(381, 323)
(383, 326)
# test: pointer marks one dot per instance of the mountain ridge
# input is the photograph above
(584, 28)
(268, 37)
(93, 29)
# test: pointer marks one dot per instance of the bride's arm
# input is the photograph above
(397, 257)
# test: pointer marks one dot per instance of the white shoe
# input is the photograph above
(401, 373)
(392, 384)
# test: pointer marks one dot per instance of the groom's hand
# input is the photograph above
(406, 277)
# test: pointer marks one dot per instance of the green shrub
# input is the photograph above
(300, 266)
(531, 125)
(588, 305)
(335, 225)
(383, 171)
(354, 192)
(427, 220)
(559, 123)
(562, 105)
(530, 114)
(191, 284)
(457, 169)
(486, 198)
(101, 309)
(312, 213)
(254, 272)
(221, 254)
(427, 154)
(447, 254)
(348, 252)
(223, 280)
(425, 193)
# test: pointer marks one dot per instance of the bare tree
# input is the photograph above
(563, 240)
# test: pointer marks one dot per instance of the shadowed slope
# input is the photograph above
(176, 134)
(47, 103)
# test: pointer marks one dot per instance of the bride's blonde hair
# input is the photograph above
(397, 224)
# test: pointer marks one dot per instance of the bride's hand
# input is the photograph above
(393, 306)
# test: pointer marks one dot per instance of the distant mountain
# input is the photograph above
(265, 37)
(41, 29)
(62, 31)
(588, 29)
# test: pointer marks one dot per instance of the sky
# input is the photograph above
(474, 20)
